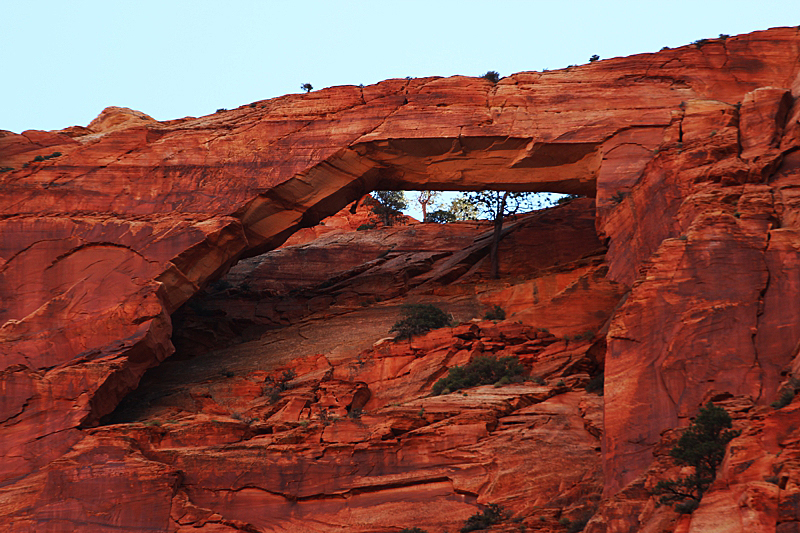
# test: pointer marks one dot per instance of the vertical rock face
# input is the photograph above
(692, 155)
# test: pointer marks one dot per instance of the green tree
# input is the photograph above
(307, 87)
(702, 447)
(463, 209)
(389, 205)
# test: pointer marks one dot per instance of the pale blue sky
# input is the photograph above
(64, 61)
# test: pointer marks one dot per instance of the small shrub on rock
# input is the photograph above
(785, 399)
(578, 525)
(418, 319)
(272, 392)
(494, 514)
(483, 370)
(286, 377)
(413, 530)
(496, 313)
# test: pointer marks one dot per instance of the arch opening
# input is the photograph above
(310, 197)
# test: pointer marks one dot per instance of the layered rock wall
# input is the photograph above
(691, 153)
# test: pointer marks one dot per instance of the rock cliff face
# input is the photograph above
(679, 281)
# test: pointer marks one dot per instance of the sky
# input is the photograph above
(65, 61)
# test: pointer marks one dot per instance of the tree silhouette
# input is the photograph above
(307, 87)
(497, 205)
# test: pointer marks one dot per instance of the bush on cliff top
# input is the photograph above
(492, 76)
(483, 370)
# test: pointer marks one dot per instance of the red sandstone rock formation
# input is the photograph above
(691, 154)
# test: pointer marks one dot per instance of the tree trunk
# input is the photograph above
(498, 228)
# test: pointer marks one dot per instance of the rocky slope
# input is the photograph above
(681, 284)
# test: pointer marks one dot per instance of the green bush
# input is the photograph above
(363, 227)
(594, 58)
(419, 319)
(38, 158)
(701, 446)
(494, 514)
(496, 313)
(483, 370)
(272, 392)
(413, 530)
(492, 76)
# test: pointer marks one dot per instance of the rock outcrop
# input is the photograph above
(106, 231)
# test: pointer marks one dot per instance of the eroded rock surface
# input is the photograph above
(691, 154)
